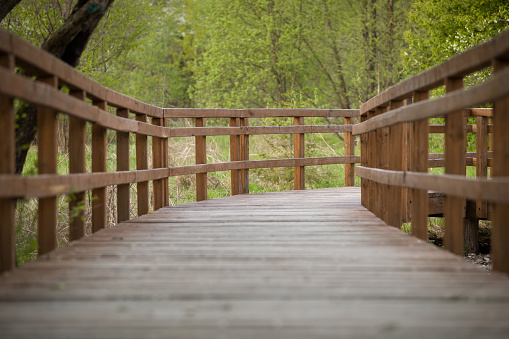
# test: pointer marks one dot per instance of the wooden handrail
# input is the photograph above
(88, 103)
(404, 110)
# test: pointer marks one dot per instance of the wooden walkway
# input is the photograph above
(300, 264)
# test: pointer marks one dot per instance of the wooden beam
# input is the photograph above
(482, 161)
(299, 177)
(235, 156)
(455, 144)
(47, 164)
(77, 164)
(419, 163)
(244, 154)
(396, 164)
(201, 158)
(349, 150)
(364, 162)
(165, 165)
(157, 162)
(123, 157)
(99, 150)
(142, 164)
(500, 230)
(7, 166)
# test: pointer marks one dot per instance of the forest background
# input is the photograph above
(255, 53)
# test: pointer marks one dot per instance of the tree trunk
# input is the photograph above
(68, 44)
(6, 7)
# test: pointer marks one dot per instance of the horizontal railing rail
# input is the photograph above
(88, 104)
(394, 148)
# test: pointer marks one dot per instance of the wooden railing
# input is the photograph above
(394, 148)
(86, 102)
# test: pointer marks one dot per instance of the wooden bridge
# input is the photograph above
(305, 263)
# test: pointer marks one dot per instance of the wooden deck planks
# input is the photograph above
(297, 264)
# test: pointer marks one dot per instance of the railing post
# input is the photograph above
(364, 163)
(157, 162)
(7, 166)
(99, 150)
(482, 161)
(349, 150)
(77, 164)
(123, 204)
(406, 196)
(455, 147)
(244, 154)
(500, 231)
(235, 156)
(383, 195)
(371, 163)
(299, 182)
(419, 163)
(201, 158)
(395, 163)
(47, 164)
(142, 164)
(166, 196)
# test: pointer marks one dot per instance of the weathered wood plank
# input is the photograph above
(299, 176)
(142, 164)
(99, 203)
(123, 191)
(349, 150)
(201, 158)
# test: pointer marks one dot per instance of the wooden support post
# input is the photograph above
(455, 147)
(381, 203)
(99, 203)
(481, 210)
(47, 164)
(235, 156)
(157, 162)
(406, 196)
(384, 164)
(77, 164)
(500, 231)
(364, 163)
(142, 164)
(395, 163)
(372, 202)
(123, 204)
(165, 164)
(349, 150)
(244, 154)
(7, 166)
(201, 158)
(299, 182)
(419, 163)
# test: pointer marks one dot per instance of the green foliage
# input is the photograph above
(442, 29)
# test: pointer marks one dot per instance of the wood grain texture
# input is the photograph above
(419, 163)
(244, 154)
(297, 264)
(395, 164)
(47, 164)
(257, 113)
(201, 158)
(77, 164)
(157, 162)
(299, 176)
(123, 157)
(99, 203)
(234, 156)
(455, 148)
(500, 231)
(7, 167)
(349, 150)
(142, 164)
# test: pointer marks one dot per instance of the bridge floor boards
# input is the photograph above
(299, 264)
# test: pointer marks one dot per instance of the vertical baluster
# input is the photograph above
(123, 204)
(500, 231)
(372, 203)
(482, 161)
(298, 152)
(201, 158)
(244, 153)
(142, 164)
(396, 164)
(77, 164)
(349, 151)
(455, 147)
(7, 166)
(157, 162)
(379, 202)
(235, 156)
(364, 163)
(99, 202)
(384, 164)
(165, 164)
(47, 164)
(419, 163)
